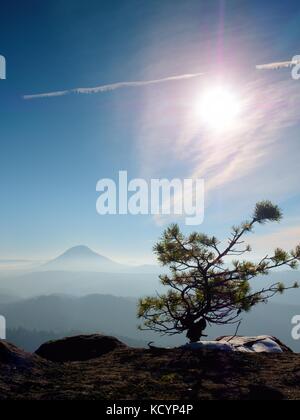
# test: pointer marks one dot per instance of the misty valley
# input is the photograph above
(58, 298)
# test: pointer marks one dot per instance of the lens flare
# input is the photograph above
(219, 108)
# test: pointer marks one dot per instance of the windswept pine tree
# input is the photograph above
(202, 287)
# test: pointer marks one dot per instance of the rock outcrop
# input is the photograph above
(11, 355)
(79, 348)
(257, 344)
(146, 374)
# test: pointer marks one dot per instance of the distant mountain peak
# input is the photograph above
(80, 248)
(80, 258)
(81, 251)
(84, 259)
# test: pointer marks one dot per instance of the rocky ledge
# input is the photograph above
(117, 372)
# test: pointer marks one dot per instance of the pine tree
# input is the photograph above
(202, 287)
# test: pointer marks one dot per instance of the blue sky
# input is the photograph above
(53, 151)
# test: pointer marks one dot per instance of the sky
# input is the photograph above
(55, 149)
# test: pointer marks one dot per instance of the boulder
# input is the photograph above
(11, 355)
(257, 344)
(79, 348)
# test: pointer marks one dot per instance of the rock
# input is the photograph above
(264, 393)
(258, 344)
(79, 348)
(11, 355)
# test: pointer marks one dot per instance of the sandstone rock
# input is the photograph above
(79, 348)
(257, 344)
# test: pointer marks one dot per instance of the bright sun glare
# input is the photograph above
(219, 108)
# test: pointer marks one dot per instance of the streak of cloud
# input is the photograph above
(113, 86)
(278, 65)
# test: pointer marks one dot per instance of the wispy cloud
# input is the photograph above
(285, 236)
(278, 65)
(247, 157)
(113, 86)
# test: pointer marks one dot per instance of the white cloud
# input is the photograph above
(284, 237)
(278, 65)
(111, 87)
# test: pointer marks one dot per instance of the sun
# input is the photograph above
(219, 108)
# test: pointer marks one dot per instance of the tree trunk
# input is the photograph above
(195, 332)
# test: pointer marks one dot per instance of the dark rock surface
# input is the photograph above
(79, 348)
(10, 354)
(143, 374)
